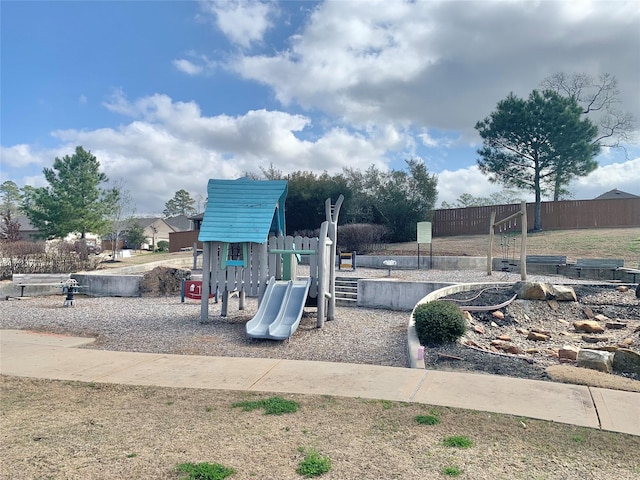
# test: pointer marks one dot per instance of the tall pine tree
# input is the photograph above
(73, 202)
(538, 144)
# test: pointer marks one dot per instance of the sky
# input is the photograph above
(167, 94)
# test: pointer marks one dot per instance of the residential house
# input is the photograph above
(155, 230)
(181, 223)
(614, 194)
(27, 231)
(187, 238)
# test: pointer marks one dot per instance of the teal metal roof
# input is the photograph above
(243, 210)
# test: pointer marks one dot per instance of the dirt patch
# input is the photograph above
(483, 346)
(163, 281)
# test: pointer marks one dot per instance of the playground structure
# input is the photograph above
(505, 224)
(246, 250)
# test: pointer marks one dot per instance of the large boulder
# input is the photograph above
(626, 361)
(532, 290)
(595, 360)
(563, 293)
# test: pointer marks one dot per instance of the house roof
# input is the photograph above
(179, 222)
(146, 222)
(615, 193)
(25, 224)
(243, 210)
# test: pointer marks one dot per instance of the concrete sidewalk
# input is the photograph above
(29, 354)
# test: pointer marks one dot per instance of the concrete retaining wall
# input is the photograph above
(109, 285)
(412, 338)
(406, 262)
(394, 294)
(184, 262)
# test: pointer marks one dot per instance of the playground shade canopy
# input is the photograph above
(243, 210)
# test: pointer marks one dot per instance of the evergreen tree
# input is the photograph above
(180, 204)
(536, 144)
(10, 198)
(73, 202)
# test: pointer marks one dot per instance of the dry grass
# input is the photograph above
(71, 430)
(592, 243)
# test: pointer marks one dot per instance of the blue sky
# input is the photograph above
(170, 93)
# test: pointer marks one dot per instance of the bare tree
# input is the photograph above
(120, 213)
(599, 98)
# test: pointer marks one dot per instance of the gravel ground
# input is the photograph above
(165, 325)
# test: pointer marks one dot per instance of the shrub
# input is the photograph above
(360, 237)
(163, 246)
(439, 322)
(37, 257)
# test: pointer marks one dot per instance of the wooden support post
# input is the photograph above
(523, 242)
(206, 273)
(225, 302)
(490, 252)
(332, 218)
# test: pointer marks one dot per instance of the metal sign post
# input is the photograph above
(424, 236)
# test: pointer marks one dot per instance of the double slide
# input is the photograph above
(280, 310)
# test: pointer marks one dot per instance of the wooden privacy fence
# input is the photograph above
(561, 215)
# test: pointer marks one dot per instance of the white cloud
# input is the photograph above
(19, 156)
(187, 67)
(243, 21)
(82, 99)
(624, 176)
(444, 64)
(171, 145)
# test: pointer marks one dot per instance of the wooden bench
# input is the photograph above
(612, 264)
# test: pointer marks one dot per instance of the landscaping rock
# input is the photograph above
(616, 325)
(569, 352)
(594, 339)
(588, 326)
(537, 337)
(498, 314)
(563, 293)
(595, 360)
(478, 329)
(532, 291)
(626, 361)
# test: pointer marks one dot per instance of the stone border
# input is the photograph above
(412, 338)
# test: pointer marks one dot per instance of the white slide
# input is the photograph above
(280, 311)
